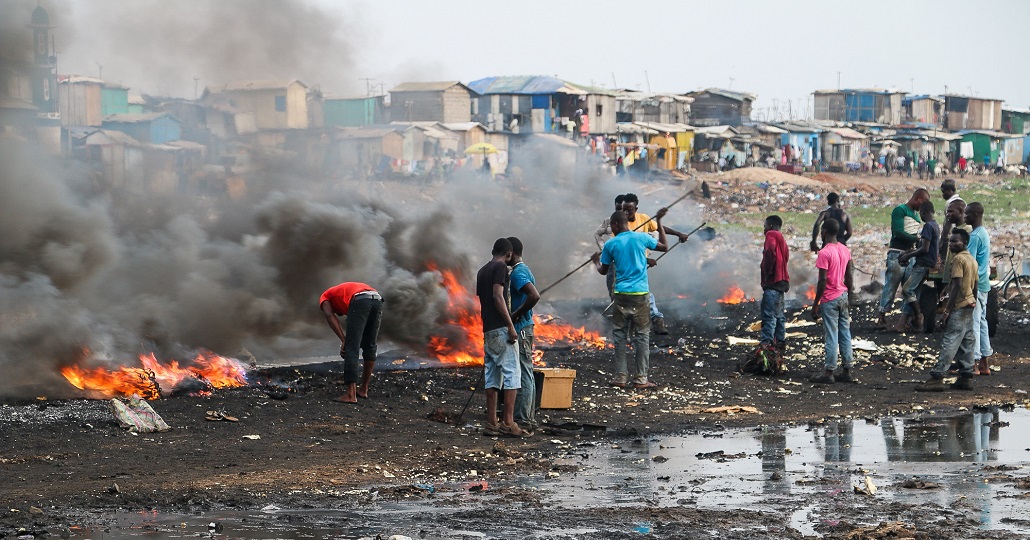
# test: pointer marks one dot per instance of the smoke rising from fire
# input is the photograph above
(160, 47)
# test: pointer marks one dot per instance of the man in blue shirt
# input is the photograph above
(980, 248)
(523, 297)
(626, 253)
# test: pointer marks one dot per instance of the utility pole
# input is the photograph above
(368, 85)
(731, 84)
(196, 86)
(648, 79)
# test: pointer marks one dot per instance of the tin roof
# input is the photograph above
(670, 128)
(861, 91)
(432, 86)
(462, 126)
(363, 132)
(724, 132)
(266, 84)
(80, 79)
(628, 127)
(736, 96)
(527, 84)
(103, 137)
(848, 133)
(126, 118)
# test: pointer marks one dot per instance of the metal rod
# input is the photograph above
(578, 268)
(475, 388)
(698, 228)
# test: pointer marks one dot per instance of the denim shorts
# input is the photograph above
(500, 361)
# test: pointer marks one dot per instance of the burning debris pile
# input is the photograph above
(206, 372)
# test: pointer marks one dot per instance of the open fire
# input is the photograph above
(735, 295)
(464, 345)
(202, 374)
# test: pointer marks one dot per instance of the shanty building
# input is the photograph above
(273, 104)
(354, 112)
(440, 101)
(843, 148)
(859, 105)
(716, 107)
(672, 144)
(1015, 121)
(114, 99)
(971, 113)
(636, 106)
(923, 111)
(542, 104)
(977, 143)
(919, 142)
(800, 142)
(80, 101)
(366, 151)
(468, 133)
(155, 128)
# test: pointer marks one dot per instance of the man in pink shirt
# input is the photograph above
(831, 303)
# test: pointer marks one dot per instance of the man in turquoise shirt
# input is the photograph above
(626, 252)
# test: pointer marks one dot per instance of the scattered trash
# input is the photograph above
(270, 509)
(428, 488)
(731, 409)
(399, 537)
(864, 345)
(252, 437)
(734, 340)
(216, 416)
(914, 483)
(642, 528)
(137, 415)
(114, 489)
(659, 459)
(215, 527)
(477, 486)
(867, 487)
(884, 530)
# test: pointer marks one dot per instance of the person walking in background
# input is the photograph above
(626, 252)
(524, 296)
(775, 284)
(923, 258)
(905, 225)
(962, 163)
(833, 211)
(500, 342)
(832, 295)
(980, 248)
(958, 342)
(363, 307)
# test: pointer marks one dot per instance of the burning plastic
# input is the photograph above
(204, 373)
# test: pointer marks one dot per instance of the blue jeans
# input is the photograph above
(500, 361)
(893, 277)
(525, 399)
(655, 314)
(631, 314)
(981, 336)
(957, 344)
(774, 320)
(916, 277)
(837, 331)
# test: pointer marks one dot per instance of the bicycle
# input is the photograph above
(1013, 286)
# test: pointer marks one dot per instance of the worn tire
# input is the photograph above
(928, 305)
(992, 312)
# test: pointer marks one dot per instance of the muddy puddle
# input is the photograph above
(967, 464)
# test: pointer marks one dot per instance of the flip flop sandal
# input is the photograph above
(513, 431)
(491, 430)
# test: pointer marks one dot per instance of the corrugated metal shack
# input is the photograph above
(716, 107)
(542, 104)
(155, 128)
(274, 104)
(437, 101)
(967, 112)
(859, 105)
(924, 109)
(843, 148)
(636, 106)
(354, 112)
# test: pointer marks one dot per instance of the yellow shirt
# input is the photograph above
(649, 226)
(963, 268)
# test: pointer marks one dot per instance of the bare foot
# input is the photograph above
(362, 392)
(346, 399)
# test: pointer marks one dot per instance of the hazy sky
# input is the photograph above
(780, 50)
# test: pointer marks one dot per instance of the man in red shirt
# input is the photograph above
(363, 307)
(775, 283)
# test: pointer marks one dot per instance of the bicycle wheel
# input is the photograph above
(1017, 289)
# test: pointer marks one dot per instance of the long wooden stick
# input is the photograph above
(698, 228)
(580, 267)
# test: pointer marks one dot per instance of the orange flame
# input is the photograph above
(734, 296)
(810, 292)
(463, 326)
(212, 370)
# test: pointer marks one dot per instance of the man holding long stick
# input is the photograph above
(641, 222)
(626, 252)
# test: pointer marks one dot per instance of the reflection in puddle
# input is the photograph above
(798, 471)
(759, 468)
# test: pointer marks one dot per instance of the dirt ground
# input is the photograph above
(66, 464)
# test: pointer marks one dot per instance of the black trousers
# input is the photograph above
(363, 319)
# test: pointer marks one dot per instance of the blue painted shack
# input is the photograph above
(541, 104)
(859, 105)
(154, 128)
(114, 99)
(800, 143)
(354, 112)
